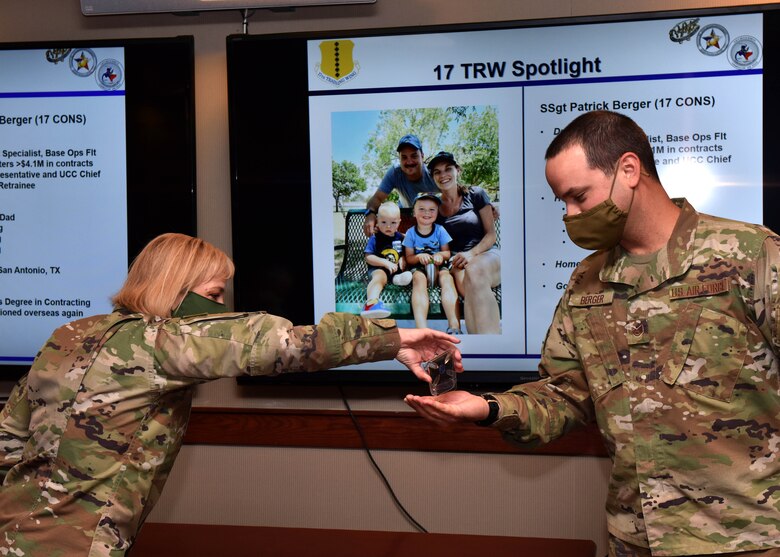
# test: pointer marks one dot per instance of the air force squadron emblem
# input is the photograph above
(712, 39)
(745, 52)
(110, 74)
(57, 55)
(684, 30)
(337, 65)
(82, 62)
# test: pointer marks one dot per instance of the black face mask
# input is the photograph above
(195, 304)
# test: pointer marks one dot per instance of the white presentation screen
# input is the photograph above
(701, 84)
(63, 191)
(498, 97)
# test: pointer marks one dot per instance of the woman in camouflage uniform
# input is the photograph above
(89, 435)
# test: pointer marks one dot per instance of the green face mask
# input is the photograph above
(195, 304)
(600, 227)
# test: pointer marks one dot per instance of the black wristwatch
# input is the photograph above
(370, 212)
(492, 412)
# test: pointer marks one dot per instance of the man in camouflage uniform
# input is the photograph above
(667, 337)
(89, 435)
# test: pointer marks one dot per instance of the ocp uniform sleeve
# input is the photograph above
(228, 345)
(14, 427)
(767, 291)
(541, 411)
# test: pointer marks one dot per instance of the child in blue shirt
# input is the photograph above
(426, 250)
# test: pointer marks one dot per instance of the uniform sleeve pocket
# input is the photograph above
(707, 353)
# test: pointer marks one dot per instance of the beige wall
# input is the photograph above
(482, 494)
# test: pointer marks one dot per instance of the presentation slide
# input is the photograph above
(496, 98)
(63, 200)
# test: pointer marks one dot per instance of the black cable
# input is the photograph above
(359, 430)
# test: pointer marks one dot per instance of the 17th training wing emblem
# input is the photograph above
(337, 65)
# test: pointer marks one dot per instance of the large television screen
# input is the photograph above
(96, 158)
(315, 120)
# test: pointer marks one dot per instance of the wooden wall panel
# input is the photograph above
(164, 540)
(382, 431)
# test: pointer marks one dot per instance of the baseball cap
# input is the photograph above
(411, 140)
(441, 156)
(427, 195)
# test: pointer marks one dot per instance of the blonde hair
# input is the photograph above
(389, 209)
(169, 266)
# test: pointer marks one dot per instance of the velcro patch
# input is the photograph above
(637, 332)
(711, 288)
(586, 300)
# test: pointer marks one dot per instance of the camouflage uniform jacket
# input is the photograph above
(88, 437)
(675, 357)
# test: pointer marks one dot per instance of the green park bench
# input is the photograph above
(352, 279)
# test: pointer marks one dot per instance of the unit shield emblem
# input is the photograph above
(337, 65)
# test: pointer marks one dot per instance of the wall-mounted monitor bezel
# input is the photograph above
(271, 165)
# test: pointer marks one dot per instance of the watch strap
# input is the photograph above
(493, 409)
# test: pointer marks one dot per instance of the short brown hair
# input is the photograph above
(605, 137)
(169, 266)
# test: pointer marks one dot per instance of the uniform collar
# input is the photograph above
(670, 261)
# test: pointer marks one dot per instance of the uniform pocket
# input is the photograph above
(707, 353)
(600, 359)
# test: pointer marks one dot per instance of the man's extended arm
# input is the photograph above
(530, 413)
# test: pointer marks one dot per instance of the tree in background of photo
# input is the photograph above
(469, 132)
(347, 181)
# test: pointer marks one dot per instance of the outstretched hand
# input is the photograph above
(451, 407)
(421, 345)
